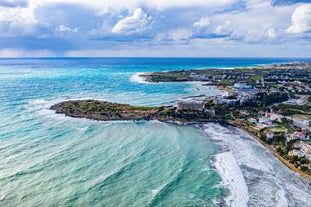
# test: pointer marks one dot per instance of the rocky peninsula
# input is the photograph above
(107, 111)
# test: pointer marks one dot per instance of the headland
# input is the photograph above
(271, 103)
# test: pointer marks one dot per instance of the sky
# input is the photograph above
(155, 28)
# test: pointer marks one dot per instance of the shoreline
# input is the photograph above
(152, 114)
(106, 111)
(274, 153)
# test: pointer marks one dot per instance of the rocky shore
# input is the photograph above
(107, 111)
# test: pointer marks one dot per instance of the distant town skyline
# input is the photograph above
(175, 28)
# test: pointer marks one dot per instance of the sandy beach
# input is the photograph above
(272, 150)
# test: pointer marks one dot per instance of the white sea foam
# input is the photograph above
(232, 179)
(137, 78)
(228, 168)
(252, 174)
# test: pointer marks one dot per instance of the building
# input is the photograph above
(242, 85)
(296, 153)
(297, 135)
(248, 91)
(244, 113)
(304, 147)
(245, 98)
(195, 76)
(211, 112)
(278, 132)
(296, 102)
(252, 120)
(232, 102)
(269, 135)
(190, 106)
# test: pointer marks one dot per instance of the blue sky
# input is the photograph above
(165, 28)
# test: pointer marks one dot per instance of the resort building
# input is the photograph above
(242, 85)
(296, 153)
(297, 135)
(304, 147)
(190, 106)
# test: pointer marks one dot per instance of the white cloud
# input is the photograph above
(224, 28)
(136, 23)
(18, 19)
(180, 34)
(271, 33)
(261, 35)
(301, 20)
(203, 22)
(100, 4)
(141, 24)
(63, 28)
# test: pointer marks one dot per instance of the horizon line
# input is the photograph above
(180, 57)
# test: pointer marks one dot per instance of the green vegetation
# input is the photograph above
(257, 77)
(293, 109)
(101, 110)
(274, 98)
(101, 106)
(229, 76)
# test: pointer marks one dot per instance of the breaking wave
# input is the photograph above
(252, 174)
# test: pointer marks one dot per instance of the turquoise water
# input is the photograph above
(52, 160)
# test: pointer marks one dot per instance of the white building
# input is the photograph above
(242, 85)
(190, 105)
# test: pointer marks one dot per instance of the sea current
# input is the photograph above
(47, 159)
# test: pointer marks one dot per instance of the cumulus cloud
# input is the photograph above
(180, 34)
(136, 23)
(63, 28)
(203, 22)
(224, 28)
(301, 20)
(261, 35)
(159, 4)
(74, 25)
(19, 20)
(212, 28)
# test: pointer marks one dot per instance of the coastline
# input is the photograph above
(127, 112)
(274, 153)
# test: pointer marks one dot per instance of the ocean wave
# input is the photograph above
(252, 174)
(161, 192)
(137, 78)
(232, 179)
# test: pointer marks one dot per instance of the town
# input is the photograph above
(272, 103)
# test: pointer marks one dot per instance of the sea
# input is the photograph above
(48, 159)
